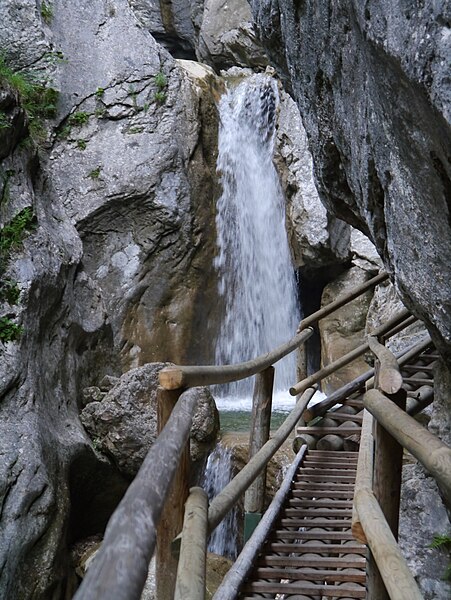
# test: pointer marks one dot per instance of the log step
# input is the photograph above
(316, 512)
(332, 486)
(329, 523)
(318, 548)
(314, 493)
(322, 562)
(281, 534)
(323, 464)
(309, 575)
(344, 417)
(326, 478)
(329, 591)
(342, 431)
(295, 502)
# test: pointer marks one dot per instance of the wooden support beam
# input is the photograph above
(171, 521)
(180, 377)
(364, 475)
(434, 455)
(254, 498)
(120, 568)
(192, 562)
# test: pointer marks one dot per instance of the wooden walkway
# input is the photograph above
(310, 552)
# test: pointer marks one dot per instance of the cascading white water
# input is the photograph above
(216, 476)
(256, 276)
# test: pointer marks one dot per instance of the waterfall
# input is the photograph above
(216, 476)
(256, 276)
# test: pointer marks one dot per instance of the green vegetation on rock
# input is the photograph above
(81, 144)
(9, 291)
(47, 12)
(443, 542)
(78, 118)
(14, 232)
(95, 173)
(160, 97)
(4, 122)
(36, 97)
(9, 331)
(161, 82)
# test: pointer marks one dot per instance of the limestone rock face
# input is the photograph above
(344, 329)
(370, 80)
(123, 424)
(123, 196)
(317, 239)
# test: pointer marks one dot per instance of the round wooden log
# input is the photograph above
(178, 377)
(419, 399)
(389, 376)
(330, 442)
(434, 455)
(192, 562)
(305, 438)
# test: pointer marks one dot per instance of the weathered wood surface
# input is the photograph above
(120, 569)
(254, 498)
(229, 587)
(364, 475)
(426, 447)
(180, 377)
(224, 501)
(401, 316)
(389, 378)
(192, 562)
(393, 568)
(421, 398)
(341, 301)
(171, 520)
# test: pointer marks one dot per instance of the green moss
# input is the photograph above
(95, 173)
(443, 542)
(81, 144)
(4, 121)
(100, 92)
(9, 291)
(9, 331)
(47, 12)
(78, 118)
(14, 232)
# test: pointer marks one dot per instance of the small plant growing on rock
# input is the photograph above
(160, 97)
(37, 99)
(443, 542)
(14, 232)
(100, 92)
(95, 173)
(9, 291)
(81, 144)
(47, 12)
(4, 121)
(9, 331)
(78, 118)
(160, 80)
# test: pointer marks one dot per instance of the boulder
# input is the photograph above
(123, 424)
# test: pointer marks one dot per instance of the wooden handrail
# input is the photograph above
(392, 566)
(401, 316)
(336, 397)
(191, 570)
(172, 378)
(226, 499)
(341, 301)
(230, 584)
(120, 569)
(389, 376)
(433, 454)
(364, 474)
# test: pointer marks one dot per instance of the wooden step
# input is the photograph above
(418, 381)
(322, 562)
(341, 431)
(417, 368)
(329, 523)
(354, 402)
(306, 485)
(295, 502)
(333, 454)
(309, 575)
(314, 493)
(321, 464)
(283, 534)
(316, 512)
(344, 417)
(318, 477)
(317, 548)
(312, 470)
(329, 591)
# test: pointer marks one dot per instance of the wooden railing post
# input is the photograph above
(387, 460)
(171, 521)
(254, 498)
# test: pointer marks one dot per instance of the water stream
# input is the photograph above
(256, 275)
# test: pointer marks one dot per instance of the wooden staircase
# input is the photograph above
(310, 552)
